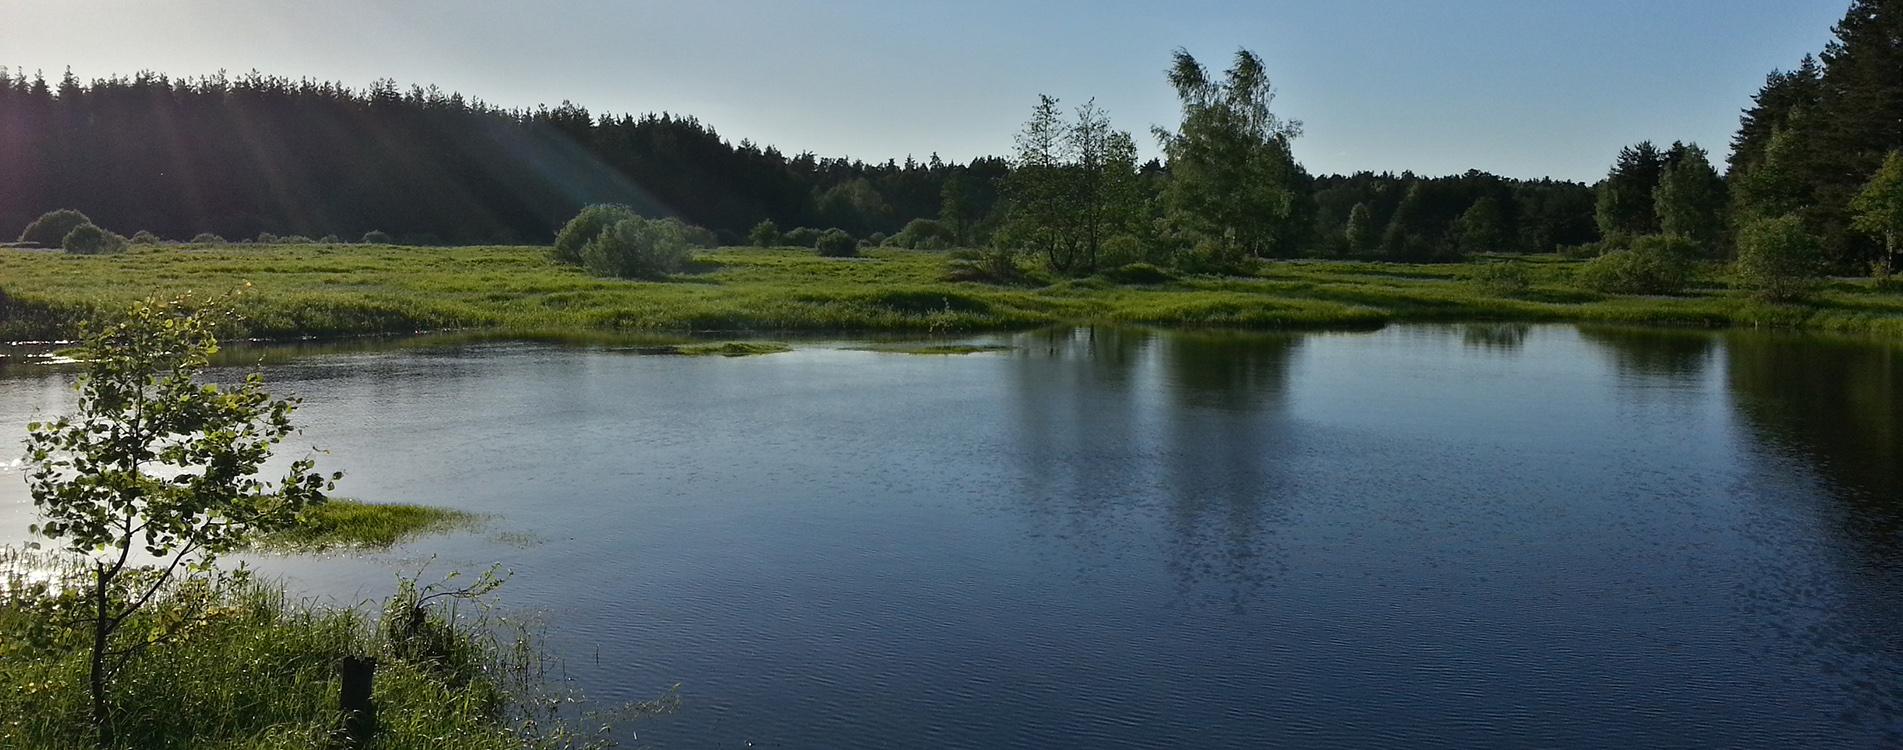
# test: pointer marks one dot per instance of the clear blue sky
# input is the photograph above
(1524, 88)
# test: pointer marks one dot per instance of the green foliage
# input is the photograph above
(1643, 265)
(207, 238)
(89, 239)
(375, 237)
(803, 237)
(700, 237)
(154, 459)
(1138, 273)
(1878, 209)
(1233, 177)
(1626, 207)
(924, 234)
(1074, 186)
(1778, 258)
(1363, 235)
(52, 227)
(764, 234)
(1483, 228)
(1690, 200)
(835, 243)
(144, 238)
(1774, 186)
(582, 230)
(636, 248)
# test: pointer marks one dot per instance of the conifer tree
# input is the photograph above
(1690, 199)
(1625, 205)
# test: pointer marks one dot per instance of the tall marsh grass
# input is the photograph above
(255, 670)
(297, 291)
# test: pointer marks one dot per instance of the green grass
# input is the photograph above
(354, 525)
(257, 671)
(293, 291)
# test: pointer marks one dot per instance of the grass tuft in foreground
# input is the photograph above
(355, 525)
(252, 670)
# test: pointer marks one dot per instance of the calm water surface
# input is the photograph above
(1427, 537)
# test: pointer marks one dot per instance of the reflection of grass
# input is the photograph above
(728, 349)
(930, 349)
(320, 290)
(351, 524)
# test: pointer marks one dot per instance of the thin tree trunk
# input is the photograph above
(102, 713)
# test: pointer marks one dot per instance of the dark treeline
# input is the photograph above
(263, 154)
(1409, 218)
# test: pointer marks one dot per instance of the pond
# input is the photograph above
(1424, 536)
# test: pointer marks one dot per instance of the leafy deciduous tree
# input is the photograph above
(1879, 207)
(1233, 177)
(153, 462)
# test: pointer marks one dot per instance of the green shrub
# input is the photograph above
(802, 237)
(876, 239)
(1137, 273)
(144, 238)
(1778, 259)
(585, 227)
(374, 237)
(835, 243)
(1508, 277)
(1882, 279)
(330, 239)
(51, 228)
(89, 239)
(267, 238)
(697, 236)
(1121, 250)
(1646, 265)
(637, 248)
(925, 234)
(207, 238)
(764, 234)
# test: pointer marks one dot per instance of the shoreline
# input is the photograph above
(288, 294)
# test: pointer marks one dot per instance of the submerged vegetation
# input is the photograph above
(343, 523)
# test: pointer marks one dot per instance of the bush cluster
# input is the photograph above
(1778, 259)
(1642, 265)
(924, 234)
(51, 228)
(637, 248)
(835, 243)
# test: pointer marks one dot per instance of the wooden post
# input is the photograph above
(360, 712)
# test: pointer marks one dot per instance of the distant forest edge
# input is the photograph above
(265, 155)
(261, 156)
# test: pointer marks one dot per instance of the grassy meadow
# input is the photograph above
(291, 291)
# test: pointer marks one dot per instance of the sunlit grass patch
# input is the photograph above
(342, 523)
